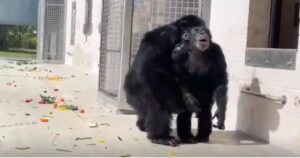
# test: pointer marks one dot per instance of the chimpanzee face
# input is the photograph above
(199, 38)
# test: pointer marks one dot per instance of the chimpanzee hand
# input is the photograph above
(191, 102)
(220, 120)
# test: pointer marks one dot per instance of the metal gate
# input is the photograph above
(111, 45)
(150, 14)
(124, 23)
(52, 31)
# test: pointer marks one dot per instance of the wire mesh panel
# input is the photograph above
(111, 45)
(150, 14)
(54, 30)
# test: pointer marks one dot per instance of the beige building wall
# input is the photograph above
(85, 52)
(264, 119)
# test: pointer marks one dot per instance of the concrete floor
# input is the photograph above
(116, 135)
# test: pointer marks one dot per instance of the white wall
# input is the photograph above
(85, 52)
(276, 124)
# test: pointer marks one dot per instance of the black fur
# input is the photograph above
(202, 76)
(150, 86)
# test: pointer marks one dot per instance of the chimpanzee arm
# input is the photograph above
(180, 56)
(222, 88)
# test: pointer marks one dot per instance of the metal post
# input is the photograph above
(40, 30)
(206, 10)
(125, 53)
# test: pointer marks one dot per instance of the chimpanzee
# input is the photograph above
(150, 86)
(200, 69)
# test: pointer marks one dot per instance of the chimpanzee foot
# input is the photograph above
(189, 140)
(219, 126)
(165, 141)
(140, 123)
(202, 139)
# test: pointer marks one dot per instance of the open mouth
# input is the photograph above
(203, 40)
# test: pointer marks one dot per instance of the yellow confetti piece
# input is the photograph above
(136, 139)
(172, 153)
(54, 78)
(101, 141)
(63, 108)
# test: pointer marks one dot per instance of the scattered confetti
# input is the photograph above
(47, 99)
(127, 155)
(23, 148)
(120, 138)
(68, 107)
(62, 100)
(27, 114)
(83, 138)
(56, 90)
(93, 144)
(92, 124)
(172, 153)
(28, 100)
(63, 150)
(44, 120)
(33, 69)
(55, 137)
(105, 124)
(101, 141)
(55, 105)
(82, 111)
(54, 78)
(47, 116)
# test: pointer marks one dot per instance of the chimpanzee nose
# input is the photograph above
(202, 32)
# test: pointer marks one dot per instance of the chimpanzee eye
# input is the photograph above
(185, 36)
(195, 30)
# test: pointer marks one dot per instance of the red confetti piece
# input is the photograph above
(62, 100)
(42, 102)
(28, 100)
(82, 111)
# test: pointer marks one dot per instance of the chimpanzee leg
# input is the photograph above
(157, 125)
(184, 127)
(204, 125)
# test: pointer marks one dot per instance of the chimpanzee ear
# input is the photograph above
(185, 36)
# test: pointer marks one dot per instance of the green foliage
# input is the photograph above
(14, 36)
(17, 55)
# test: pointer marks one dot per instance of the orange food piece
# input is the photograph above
(82, 111)
(44, 120)
(62, 100)
(55, 105)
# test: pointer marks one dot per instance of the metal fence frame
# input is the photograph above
(41, 31)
